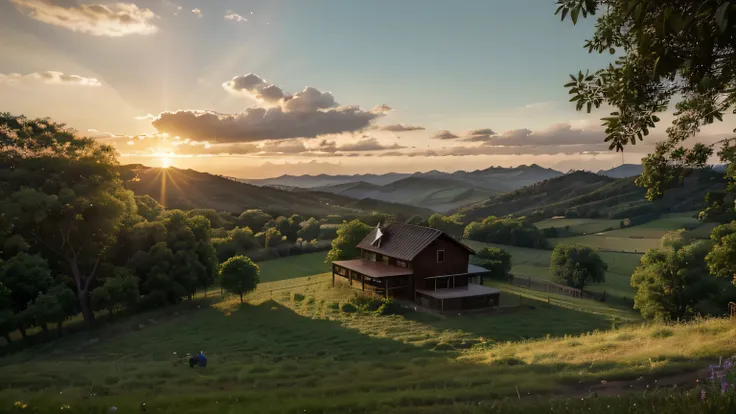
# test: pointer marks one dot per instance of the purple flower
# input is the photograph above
(702, 394)
(724, 385)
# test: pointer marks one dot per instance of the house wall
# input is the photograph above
(425, 264)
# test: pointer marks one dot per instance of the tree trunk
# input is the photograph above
(205, 292)
(7, 337)
(241, 298)
(59, 331)
(190, 296)
(45, 328)
(22, 330)
(87, 314)
(109, 312)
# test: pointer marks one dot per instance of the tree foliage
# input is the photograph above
(254, 219)
(498, 261)
(239, 275)
(349, 235)
(451, 225)
(667, 49)
(310, 230)
(673, 283)
(577, 266)
(506, 230)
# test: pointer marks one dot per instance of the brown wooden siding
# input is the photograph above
(425, 264)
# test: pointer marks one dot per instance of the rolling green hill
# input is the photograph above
(587, 195)
(187, 189)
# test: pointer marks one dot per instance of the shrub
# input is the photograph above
(348, 308)
(389, 307)
(297, 297)
(662, 333)
(333, 306)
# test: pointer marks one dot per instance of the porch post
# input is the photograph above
(333, 275)
(350, 277)
(363, 279)
(385, 285)
(442, 305)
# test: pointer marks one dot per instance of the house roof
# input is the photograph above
(403, 241)
(373, 269)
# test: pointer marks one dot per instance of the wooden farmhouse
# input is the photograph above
(420, 264)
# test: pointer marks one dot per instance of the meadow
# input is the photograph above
(289, 350)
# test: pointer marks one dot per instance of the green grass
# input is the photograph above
(535, 263)
(278, 355)
(293, 266)
(611, 243)
(580, 225)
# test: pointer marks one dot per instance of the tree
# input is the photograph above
(448, 224)
(63, 195)
(310, 230)
(254, 219)
(7, 317)
(349, 234)
(722, 259)
(216, 220)
(498, 261)
(577, 266)
(673, 283)
(239, 275)
(417, 221)
(117, 292)
(506, 230)
(26, 276)
(273, 237)
(148, 208)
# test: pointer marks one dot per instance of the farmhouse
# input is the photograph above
(418, 263)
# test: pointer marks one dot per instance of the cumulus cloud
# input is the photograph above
(197, 13)
(279, 115)
(559, 134)
(401, 128)
(235, 17)
(444, 135)
(368, 144)
(50, 78)
(118, 19)
(480, 135)
(381, 109)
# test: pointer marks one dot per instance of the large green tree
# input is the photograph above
(577, 266)
(349, 234)
(668, 51)
(673, 283)
(239, 275)
(63, 195)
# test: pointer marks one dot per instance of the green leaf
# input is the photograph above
(564, 13)
(574, 15)
(722, 16)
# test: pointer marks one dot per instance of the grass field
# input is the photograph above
(579, 225)
(535, 263)
(281, 353)
(293, 267)
(603, 241)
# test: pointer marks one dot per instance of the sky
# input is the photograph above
(260, 88)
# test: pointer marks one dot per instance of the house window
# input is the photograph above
(401, 263)
(440, 256)
(371, 257)
(384, 259)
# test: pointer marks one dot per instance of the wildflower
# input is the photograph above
(702, 394)
(724, 385)
(66, 407)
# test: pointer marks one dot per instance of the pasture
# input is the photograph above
(286, 353)
(579, 225)
(293, 266)
(535, 263)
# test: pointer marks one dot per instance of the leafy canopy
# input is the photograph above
(577, 266)
(668, 51)
(349, 235)
(239, 275)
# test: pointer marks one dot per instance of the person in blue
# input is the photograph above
(198, 360)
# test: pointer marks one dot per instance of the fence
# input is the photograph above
(550, 287)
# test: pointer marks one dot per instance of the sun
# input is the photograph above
(165, 161)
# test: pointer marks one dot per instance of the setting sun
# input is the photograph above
(165, 161)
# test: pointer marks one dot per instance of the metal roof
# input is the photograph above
(373, 269)
(403, 241)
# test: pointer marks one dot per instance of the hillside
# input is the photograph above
(593, 195)
(186, 189)
(623, 171)
(439, 194)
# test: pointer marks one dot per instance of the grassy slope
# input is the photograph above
(188, 189)
(275, 355)
(579, 225)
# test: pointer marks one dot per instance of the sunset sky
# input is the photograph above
(263, 88)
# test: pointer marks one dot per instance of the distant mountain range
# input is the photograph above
(436, 190)
(187, 189)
